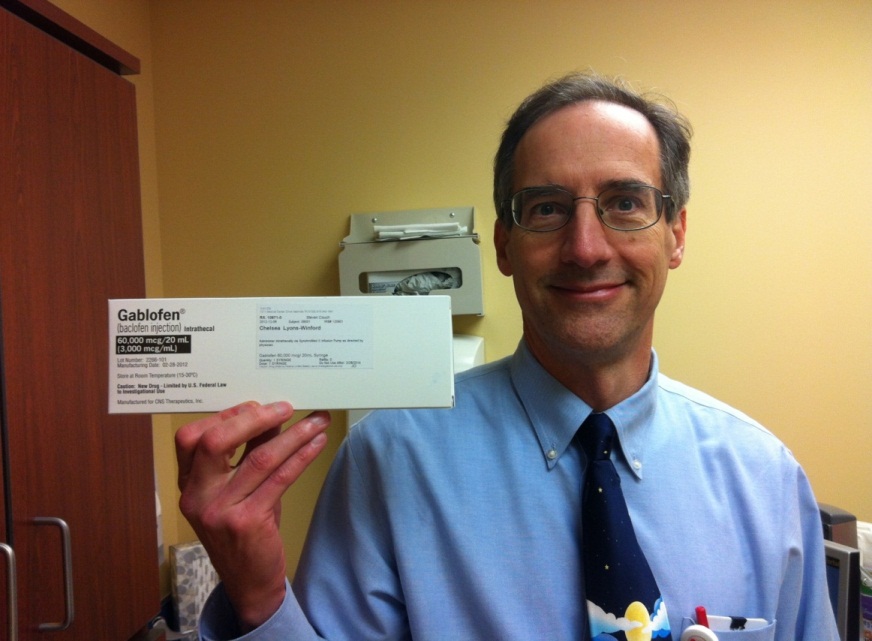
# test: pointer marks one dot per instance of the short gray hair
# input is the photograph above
(673, 132)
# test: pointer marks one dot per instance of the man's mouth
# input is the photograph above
(588, 291)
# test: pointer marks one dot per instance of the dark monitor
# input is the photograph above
(843, 579)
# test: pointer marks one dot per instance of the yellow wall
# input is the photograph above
(274, 120)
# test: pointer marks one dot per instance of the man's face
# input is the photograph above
(587, 291)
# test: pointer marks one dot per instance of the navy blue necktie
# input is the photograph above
(623, 600)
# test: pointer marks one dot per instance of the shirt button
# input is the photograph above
(637, 464)
(552, 454)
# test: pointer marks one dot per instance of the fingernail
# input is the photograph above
(282, 408)
(320, 419)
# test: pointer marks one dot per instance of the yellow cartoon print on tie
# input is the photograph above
(636, 624)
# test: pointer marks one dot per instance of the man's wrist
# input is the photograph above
(219, 620)
(253, 611)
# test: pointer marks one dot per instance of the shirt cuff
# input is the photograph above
(218, 621)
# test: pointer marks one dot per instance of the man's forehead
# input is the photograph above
(591, 117)
(590, 132)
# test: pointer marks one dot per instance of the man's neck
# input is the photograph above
(601, 381)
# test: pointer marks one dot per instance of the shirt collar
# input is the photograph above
(556, 413)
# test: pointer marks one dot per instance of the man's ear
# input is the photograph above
(501, 242)
(678, 228)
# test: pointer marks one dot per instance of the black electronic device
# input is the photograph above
(843, 568)
(843, 579)
(839, 526)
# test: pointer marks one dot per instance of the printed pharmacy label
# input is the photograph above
(296, 335)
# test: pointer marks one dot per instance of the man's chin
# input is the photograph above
(588, 341)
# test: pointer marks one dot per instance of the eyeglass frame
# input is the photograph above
(664, 199)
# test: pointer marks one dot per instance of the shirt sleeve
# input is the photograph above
(218, 621)
(804, 609)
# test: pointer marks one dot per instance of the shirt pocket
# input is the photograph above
(760, 634)
(766, 633)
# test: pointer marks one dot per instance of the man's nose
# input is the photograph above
(585, 238)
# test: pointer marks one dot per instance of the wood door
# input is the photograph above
(71, 239)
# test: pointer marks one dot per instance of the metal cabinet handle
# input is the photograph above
(69, 613)
(11, 592)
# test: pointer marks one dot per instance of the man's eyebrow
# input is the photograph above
(609, 184)
(546, 188)
(626, 182)
(549, 186)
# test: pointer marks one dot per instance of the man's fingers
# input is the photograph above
(205, 447)
(188, 436)
(267, 470)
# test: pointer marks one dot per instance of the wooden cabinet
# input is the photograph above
(70, 238)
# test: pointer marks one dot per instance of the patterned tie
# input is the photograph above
(623, 600)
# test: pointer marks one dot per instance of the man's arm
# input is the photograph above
(235, 510)
(804, 609)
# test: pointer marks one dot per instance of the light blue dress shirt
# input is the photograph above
(464, 523)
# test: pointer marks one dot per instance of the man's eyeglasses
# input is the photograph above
(625, 208)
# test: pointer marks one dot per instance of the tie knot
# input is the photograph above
(596, 436)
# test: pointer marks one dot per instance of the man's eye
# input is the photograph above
(547, 209)
(622, 204)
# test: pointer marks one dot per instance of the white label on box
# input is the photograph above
(293, 334)
(347, 352)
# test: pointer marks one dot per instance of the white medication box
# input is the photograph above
(342, 352)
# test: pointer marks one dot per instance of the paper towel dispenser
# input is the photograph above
(416, 252)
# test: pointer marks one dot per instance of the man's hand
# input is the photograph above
(235, 510)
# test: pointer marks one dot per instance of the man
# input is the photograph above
(466, 523)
